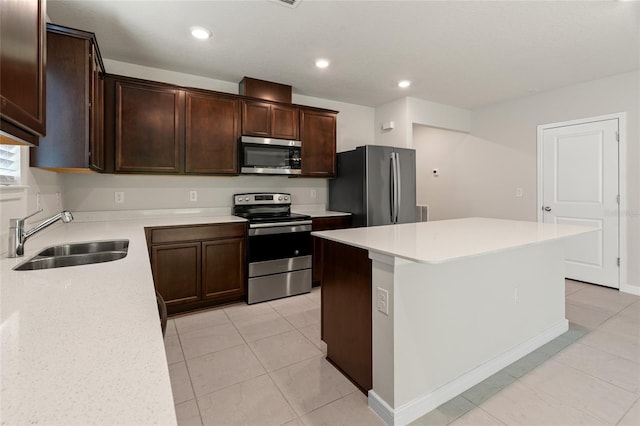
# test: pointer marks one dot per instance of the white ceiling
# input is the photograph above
(467, 54)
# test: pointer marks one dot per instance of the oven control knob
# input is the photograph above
(240, 199)
(296, 252)
(280, 198)
(286, 198)
(246, 198)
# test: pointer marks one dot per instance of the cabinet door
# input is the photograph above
(148, 128)
(212, 132)
(318, 136)
(256, 118)
(22, 68)
(284, 122)
(176, 272)
(96, 120)
(223, 269)
(68, 65)
(324, 224)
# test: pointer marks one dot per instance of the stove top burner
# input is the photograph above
(266, 208)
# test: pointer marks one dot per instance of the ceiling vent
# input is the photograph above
(288, 3)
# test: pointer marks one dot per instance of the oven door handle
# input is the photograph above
(282, 228)
(274, 224)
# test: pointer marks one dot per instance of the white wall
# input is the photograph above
(397, 112)
(406, 112)
(96, 191)
(470, 182)
(480, 171)
(443, 116)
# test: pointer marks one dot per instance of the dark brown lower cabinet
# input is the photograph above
(176, 272)
(346, 311)
(222, 266)
(324, 224)
(197, 266)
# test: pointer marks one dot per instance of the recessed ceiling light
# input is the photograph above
(322, 63)
(201, 33)
(404, 84)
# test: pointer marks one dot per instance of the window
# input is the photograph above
(9, 164)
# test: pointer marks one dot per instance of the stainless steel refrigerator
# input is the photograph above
(377, 184)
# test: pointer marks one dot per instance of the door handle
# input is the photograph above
(398, 188)
(546, 208)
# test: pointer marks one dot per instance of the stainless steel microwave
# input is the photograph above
(270, 156)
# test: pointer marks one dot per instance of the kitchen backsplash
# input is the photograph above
(95, 192)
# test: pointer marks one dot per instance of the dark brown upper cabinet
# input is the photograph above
(22, 70)
(153, 127)
(148, 128)
(75, 85)
(212, 132)
(318, 136)
(262, 118)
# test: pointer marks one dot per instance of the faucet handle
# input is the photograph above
(31, 215)
(19, 223)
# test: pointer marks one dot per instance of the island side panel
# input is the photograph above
(470, 318)
(346, 310)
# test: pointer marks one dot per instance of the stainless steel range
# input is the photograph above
(279, 248)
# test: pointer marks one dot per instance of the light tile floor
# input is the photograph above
(264, 365)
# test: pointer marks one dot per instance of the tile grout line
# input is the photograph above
(542, 393)
(267, 373)
(195, 397)
(627, 412)
(586, 373)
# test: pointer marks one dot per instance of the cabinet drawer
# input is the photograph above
(196, 232)
(327, 223)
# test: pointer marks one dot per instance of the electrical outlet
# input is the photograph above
(519, 192)
(515, 296)
(38, 202)
(59, 200)
(193, 196)
(119, 197)
(313, 194)
(382, 300)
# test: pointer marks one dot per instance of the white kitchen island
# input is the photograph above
(466, 298)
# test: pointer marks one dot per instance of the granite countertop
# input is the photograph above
(82, 345)
(448, 240)
(320, 213)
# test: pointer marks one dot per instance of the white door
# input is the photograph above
(580, 186)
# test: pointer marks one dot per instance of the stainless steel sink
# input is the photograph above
(76, 254)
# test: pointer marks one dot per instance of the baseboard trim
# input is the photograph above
(420, 406)
(631, 289)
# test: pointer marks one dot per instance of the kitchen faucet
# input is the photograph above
(18, 236)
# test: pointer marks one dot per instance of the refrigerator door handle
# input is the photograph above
(392, 187)
(398, 182)
(395, 173)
